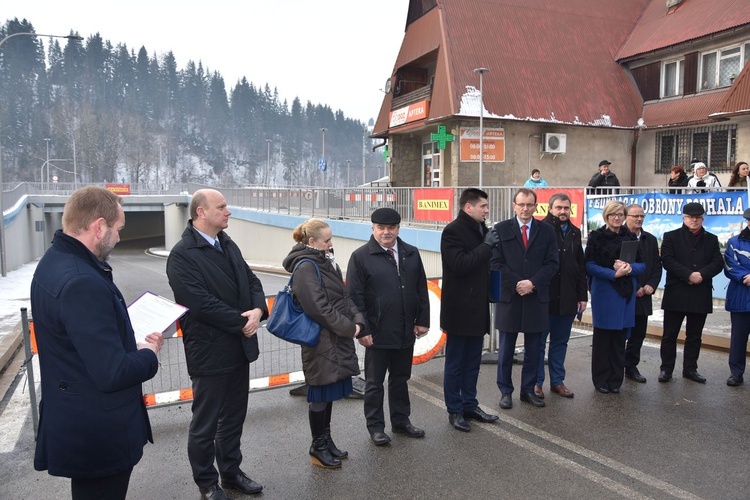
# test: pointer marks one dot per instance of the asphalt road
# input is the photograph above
(674, 440)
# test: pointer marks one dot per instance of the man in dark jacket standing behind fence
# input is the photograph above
(226, 303)
(387, 282)
(466, 247)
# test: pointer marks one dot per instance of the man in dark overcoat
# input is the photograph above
(526, 255)
(466, 247)
(568, 295)
(226, 302)
(93, 423)
(648, 282)
(691, 257)
(387, 283)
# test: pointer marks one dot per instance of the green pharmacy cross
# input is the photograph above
(442, 137)
(385, 152)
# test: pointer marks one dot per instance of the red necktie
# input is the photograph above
(391, 254)
(524, 236)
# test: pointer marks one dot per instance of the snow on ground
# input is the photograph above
(15, 290)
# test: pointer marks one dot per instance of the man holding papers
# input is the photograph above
(226, 303)
(93, 422)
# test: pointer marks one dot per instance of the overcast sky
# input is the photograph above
(335, 52)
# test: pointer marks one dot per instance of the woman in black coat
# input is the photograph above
(677, 178)
(331, 364)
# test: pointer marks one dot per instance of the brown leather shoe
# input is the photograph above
(538, 392)
(562, 390)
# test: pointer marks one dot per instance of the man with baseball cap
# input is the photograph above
(604, 178)
(387, 282)
(691, 257)
(737, 269)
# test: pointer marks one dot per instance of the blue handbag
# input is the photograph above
(288, 321)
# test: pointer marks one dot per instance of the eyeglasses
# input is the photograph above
(694, 217)
(637, 216)
(525, 205)
(616, 216)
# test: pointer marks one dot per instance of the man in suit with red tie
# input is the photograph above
(526, 255)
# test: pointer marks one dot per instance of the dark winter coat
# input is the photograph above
(601, 182)
(217, 287)
(392, 300)
(568, 286)
(612, 299)
(328, 303)
(464, 308)
(649, 250)
(92, 418)
(681, 181)
(683, 254)
(538, 263)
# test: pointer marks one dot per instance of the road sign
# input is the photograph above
(322, 164)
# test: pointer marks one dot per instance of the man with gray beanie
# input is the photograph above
(387, 282)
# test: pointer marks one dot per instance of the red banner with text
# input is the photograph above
(433, 204)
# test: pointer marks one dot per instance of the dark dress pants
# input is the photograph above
(529, 372)
(608, 358)
(738, 342)
(397, 363)
(635, 342)
(219, 409)
(114, 487)
(693, 331)
(463, 355)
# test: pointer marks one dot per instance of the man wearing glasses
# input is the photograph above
(647, 284)
(691, 257)
(526, 255)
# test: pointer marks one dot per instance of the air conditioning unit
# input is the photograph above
(553, 143)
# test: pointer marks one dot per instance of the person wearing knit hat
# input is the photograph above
(702, 179)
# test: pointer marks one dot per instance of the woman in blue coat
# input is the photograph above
(613, 285)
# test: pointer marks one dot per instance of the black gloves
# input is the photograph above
(491, 238)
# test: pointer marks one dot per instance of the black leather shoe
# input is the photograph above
(409, 430)
(533, 399)
(458, 421)
(635, 375)
(213, 492)
(615, 390)
(664, 376)
(506, 402)
(694, 376)
(481, 415)
(380, 438)
(603, 390)
(242, 483)
(734, 381)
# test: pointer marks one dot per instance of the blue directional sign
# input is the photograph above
(322, 164)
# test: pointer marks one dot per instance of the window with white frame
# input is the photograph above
(673, 76)
(719, 68)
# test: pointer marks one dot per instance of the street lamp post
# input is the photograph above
(47, 163)
(3, 267)
(268, 163)
(324, 166)
(348, 172)
(481, 72)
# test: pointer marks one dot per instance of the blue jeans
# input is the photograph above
(559, 334)
(463, 355)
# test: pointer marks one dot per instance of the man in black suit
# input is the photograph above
(226, 302)
(526, 255)
(691, 257)
(466, 247)
(648, 282)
